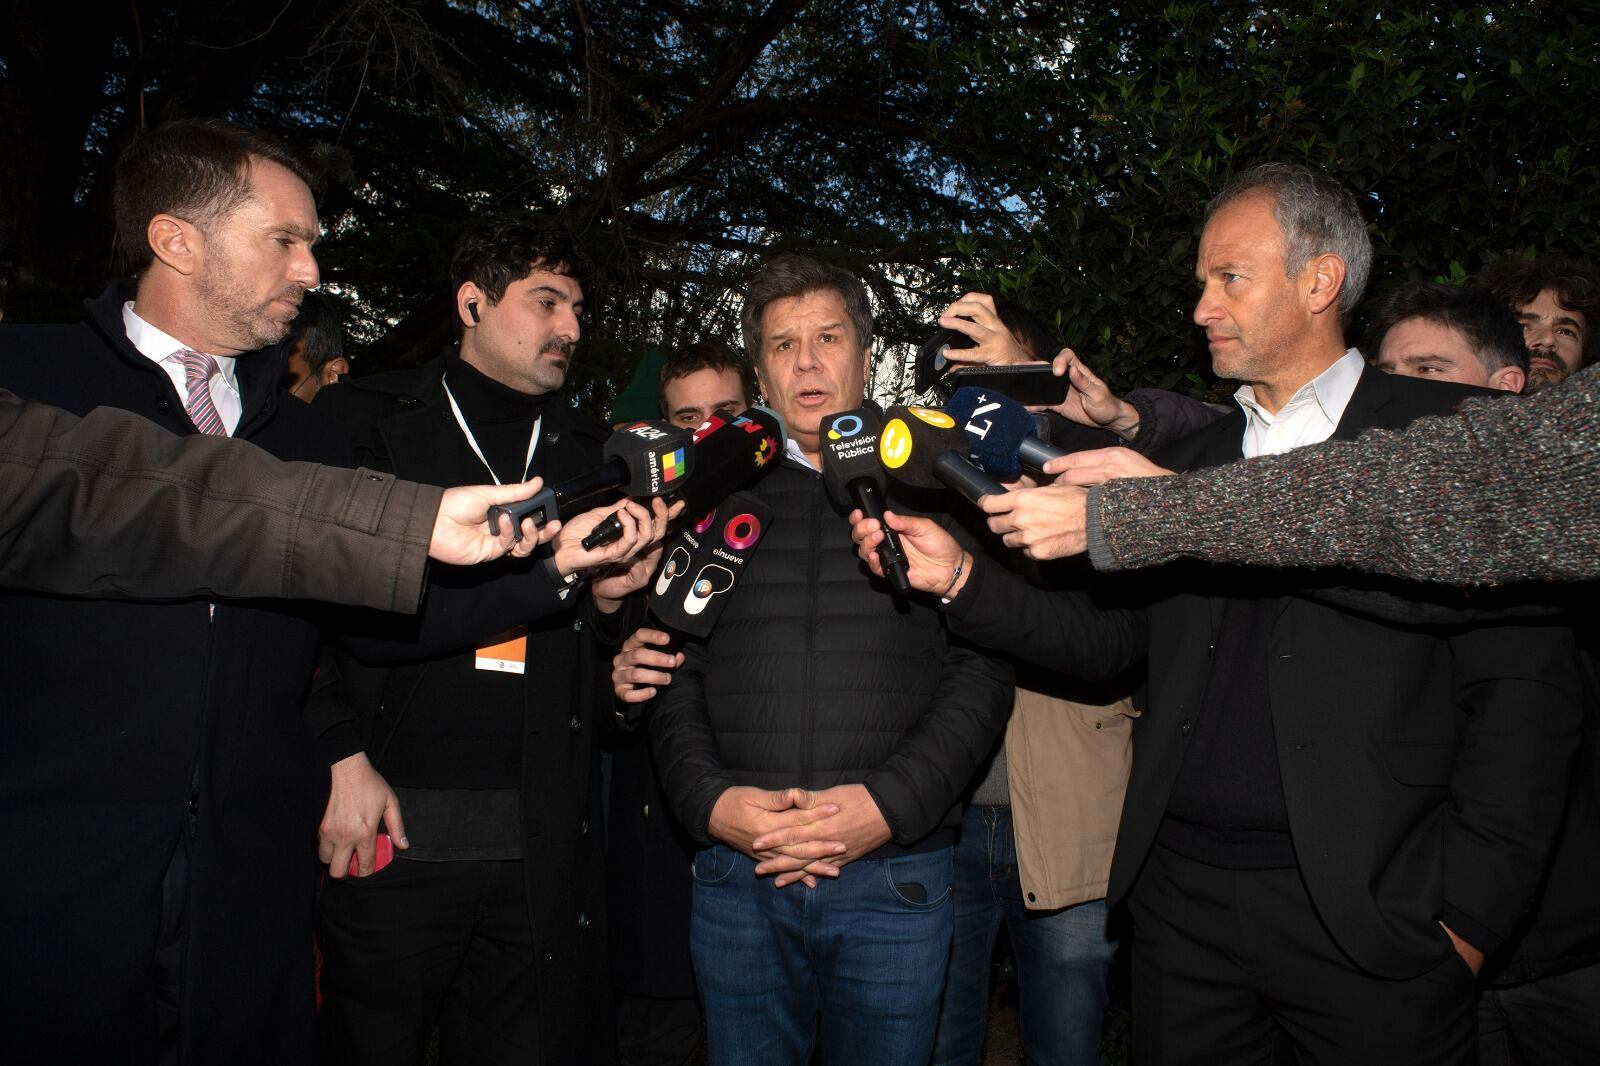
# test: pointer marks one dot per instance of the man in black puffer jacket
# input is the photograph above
(819, 742)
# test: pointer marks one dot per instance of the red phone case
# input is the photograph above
(382, 856)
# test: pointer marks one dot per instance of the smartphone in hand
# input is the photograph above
(1026, 383)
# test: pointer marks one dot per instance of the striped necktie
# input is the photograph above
(198, 370)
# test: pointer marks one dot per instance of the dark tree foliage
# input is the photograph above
(680, 140)
(1060, 151)
(1469, 132)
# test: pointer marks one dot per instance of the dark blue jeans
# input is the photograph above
(866, 953)
(1062, 956)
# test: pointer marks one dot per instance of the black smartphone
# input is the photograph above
(1031, 383)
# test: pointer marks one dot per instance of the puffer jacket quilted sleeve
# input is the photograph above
(815, 676)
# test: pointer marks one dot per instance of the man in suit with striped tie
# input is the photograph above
(159, 790)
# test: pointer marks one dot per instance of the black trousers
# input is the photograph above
(424, 943)
(1234, 966)
(1552, 1021)
(658, 1030)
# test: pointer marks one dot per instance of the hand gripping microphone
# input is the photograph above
(1001, 432)
(853, 475)
(642, 459)
(923, 447)
(728, 456)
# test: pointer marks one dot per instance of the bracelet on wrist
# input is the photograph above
(955, 575)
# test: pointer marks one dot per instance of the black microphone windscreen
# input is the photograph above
(912, 438)
(731, 456)
(996, 425)
(850, 451)
(659, 456)
(703, 563)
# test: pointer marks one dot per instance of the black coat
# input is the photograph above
(648, 889)
(1424, 766)
(1561, 932)
(402, 422)
(815, 676)
(128, 724)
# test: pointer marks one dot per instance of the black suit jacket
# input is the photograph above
(128, 725)
(1424, 763)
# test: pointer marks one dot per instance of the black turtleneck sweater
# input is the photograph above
(500, 417)
(463, 727)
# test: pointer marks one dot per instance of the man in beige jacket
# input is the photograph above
(1041, 821)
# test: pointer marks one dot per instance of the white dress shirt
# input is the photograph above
(162, 349)
(791, 448)
(1310, 416)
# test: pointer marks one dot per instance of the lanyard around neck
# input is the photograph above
(472, 442)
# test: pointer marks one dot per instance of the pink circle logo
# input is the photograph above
(742, 531)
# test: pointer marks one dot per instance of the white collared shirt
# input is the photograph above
(162, 349)
(791, 448)
(1310, 416)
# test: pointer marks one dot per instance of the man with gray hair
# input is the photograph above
(817, 744)
(1343, 794)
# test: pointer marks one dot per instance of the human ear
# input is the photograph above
(1326, 278)
(176, 243)
(1509, 378)
(333, 370)
(469, 301)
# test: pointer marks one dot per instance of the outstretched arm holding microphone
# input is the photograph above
(74, 490)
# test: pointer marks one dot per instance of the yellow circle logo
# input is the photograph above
(933, 416)
(894, 446)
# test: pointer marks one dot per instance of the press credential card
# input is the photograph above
(505, 653)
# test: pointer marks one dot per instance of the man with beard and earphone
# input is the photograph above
(470, 731)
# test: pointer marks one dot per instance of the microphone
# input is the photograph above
(1001, 432)
(852, 474)
(704, 562)
(728, 456)
(642, 459)
(923, 447)
(700, 568)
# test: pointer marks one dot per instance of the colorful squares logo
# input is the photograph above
(672, 467)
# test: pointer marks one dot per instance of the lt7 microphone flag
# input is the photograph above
(1000, 432)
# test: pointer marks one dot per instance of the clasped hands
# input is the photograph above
(797, 835)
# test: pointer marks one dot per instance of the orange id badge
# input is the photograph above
(505, 653)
